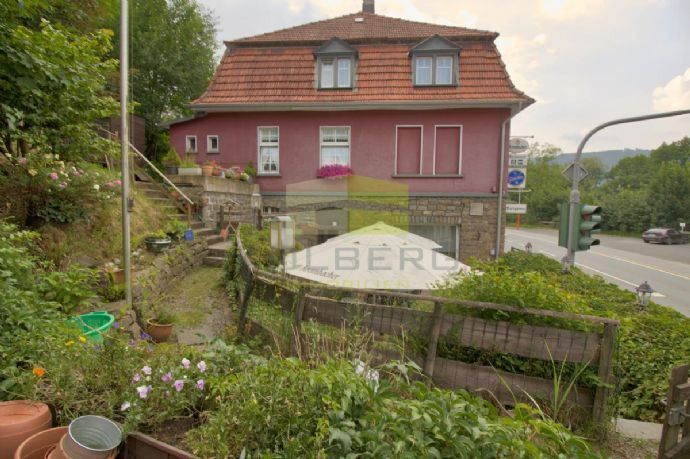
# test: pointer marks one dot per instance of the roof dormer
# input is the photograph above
(335, 65)
(435, 62)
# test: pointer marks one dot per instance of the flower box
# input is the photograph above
(334, 171)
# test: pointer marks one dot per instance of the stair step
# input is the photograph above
(196, 225)
(210, 240)
(205, 232)
(216, 252)
(214, 261)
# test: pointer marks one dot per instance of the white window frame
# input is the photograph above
(434, 58)
(461, 129)
(335, 144)
(421, 145)
(260, 169)
(187, 149)
(416, 70)
(208, 144)
(335, 64)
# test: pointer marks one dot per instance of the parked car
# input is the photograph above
(664, 236)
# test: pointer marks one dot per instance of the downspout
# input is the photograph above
(501, 181)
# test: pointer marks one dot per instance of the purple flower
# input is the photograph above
(131, 343)
(145, 335)
(144, 391)
(167, 377)
(116, 325)
(201, 366)
(136, 378)
(53, 175)
(63, 185)
(179, 384)
(200, 384)
(125, 406)
(149, 348)
(185, 363)
(146, 370)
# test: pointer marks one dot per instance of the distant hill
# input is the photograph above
(608, 157)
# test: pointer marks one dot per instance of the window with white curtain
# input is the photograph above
(269, 140)
(423, 70)
(335, 145)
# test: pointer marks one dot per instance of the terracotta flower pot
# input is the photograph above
(19, 420)
(40, 445)
(207, 170)
(117, 276)
(159, 332)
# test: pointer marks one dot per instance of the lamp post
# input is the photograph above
(528, 247)
(283, 235)
(644, 294)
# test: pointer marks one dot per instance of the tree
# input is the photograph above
(549, 188)
(172, 45)
(669, 194)
(678, 151)
(543, 150)
(52, 83)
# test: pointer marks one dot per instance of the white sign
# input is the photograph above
(517, 177)
(518, 161)
(682, 226)
(518, 145)
(516, 208)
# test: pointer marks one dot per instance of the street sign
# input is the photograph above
(516, 208)
(518, 161)
(518, 145)
(570, 173)
(517, 177)
(682, 226)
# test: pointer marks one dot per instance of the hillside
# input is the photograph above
(608, 157)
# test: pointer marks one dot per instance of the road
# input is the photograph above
(626, 262)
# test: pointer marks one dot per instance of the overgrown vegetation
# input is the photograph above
(651, 341)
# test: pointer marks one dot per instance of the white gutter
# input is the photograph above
(501, 181)
(514, 105)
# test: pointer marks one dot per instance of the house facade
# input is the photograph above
(418, 108)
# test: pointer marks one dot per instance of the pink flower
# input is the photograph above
(201, 366)
(200, 384)
(144, 391)
(109, 184)
(146, 370)
(179, 384)
(185, 363)
(53, 175)
(136, 378)
(63, 185)
(118, 182)
(167, 377)
(22, 161)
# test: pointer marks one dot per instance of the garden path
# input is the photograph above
(200, 305)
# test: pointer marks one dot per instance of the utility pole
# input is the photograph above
(577, 175)
(124, 147)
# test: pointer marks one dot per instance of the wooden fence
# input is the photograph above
(543, 343)
(675, 435)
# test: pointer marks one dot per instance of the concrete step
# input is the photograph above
(204, 232)
(210, 240)
(214, 261)
(216, 252)
(196, 225)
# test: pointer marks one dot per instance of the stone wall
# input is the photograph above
(210, 193)
(475, 217)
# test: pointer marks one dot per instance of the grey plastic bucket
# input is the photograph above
(92, 437)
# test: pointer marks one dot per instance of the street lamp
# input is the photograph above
(283, 235)
(255, 204)
(644, 294)
(528, 247)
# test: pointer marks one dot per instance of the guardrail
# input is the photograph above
(539, 342)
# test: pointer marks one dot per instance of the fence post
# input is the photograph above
(671, 429)
(244, 304)
(436, 320)
(608, 341)
(300, 301)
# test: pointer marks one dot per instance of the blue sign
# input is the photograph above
(516, 178)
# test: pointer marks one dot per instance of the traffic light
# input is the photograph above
(587, 222)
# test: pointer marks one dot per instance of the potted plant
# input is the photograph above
(188, 167)
(171, 161)
(207, 168)
(334, 171)
(157, 242)
(160, 326)
(250, 171)
(175, 230)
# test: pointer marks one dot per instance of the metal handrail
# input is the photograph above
(166, 179)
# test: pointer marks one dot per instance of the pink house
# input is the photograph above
(420, 106)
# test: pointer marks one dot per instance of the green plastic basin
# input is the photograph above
(94, 324)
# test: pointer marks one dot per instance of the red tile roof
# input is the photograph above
(373, 27)
(258, 71)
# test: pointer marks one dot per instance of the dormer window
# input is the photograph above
(435, 62)
(335, 65)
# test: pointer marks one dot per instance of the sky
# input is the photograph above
(584, 61)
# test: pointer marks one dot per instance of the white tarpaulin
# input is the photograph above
(373, 258)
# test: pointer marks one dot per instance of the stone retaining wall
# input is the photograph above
(210, 193)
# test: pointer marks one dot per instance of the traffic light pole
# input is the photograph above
(574, 204)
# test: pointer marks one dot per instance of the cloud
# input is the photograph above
(674, 95)
(570, 9)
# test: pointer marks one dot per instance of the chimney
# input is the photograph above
(368, 6)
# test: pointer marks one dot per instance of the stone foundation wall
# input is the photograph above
(475, 217)
(210, 193)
